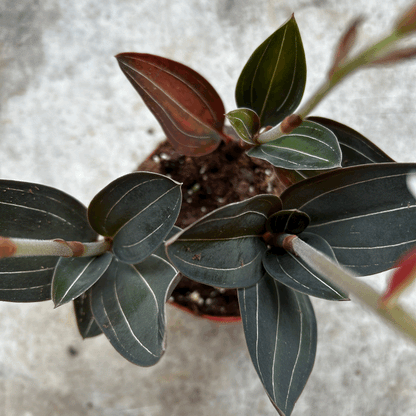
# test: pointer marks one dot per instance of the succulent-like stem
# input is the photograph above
(22, 247)
(371, 54)
(342, 277)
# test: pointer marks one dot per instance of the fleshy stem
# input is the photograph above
(22, 247)
(368, 56)
(344, 280)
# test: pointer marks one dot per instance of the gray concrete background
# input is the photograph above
(70, 119)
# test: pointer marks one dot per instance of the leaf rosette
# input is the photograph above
(114, 287)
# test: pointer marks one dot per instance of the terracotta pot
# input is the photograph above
(209, 182)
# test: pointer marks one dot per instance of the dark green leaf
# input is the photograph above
(225, 247)
(290, 221)
(309, 146)
(138, 210)
(36, 211)
(74, 275)
(356, 149)
(295, 273)
(281, 335)
(245, 122)
(365, 213)
(128, 303)
(187, 107)
(87, 326)
(273, 80)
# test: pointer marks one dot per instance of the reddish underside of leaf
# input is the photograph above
(188, 108)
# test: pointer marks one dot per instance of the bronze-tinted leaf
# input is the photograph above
(187, 107)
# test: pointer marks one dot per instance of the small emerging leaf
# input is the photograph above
(138, 210)
(246, 123)
(407, 22)
(309, 147)
(273, 80)
(187, 107)
(395, 56)
(345, 45)
(225, 248)
(281, 335)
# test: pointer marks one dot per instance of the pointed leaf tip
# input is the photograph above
(281, 335)
(75, 275)
(128, 304)
(186, 105)
(273, 80)
(345, 44)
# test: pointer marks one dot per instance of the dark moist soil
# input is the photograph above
(227, 175)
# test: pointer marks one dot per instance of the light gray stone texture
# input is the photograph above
(70, 119)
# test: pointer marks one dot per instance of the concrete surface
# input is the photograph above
(70, 119)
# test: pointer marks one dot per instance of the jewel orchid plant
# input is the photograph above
(346, 210)
(109, 258)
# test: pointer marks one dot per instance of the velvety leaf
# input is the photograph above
(290, 221)
(128, 303)
(292, 271)
(273, 80)
(138, 210)
(29, 210)
(87, 326)
(309, 146)
(356, 149)
(281, 335)
(365, 213)
(401, 279)
(75, 275)
(224, 248)
(187, 107)
(245, 122)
